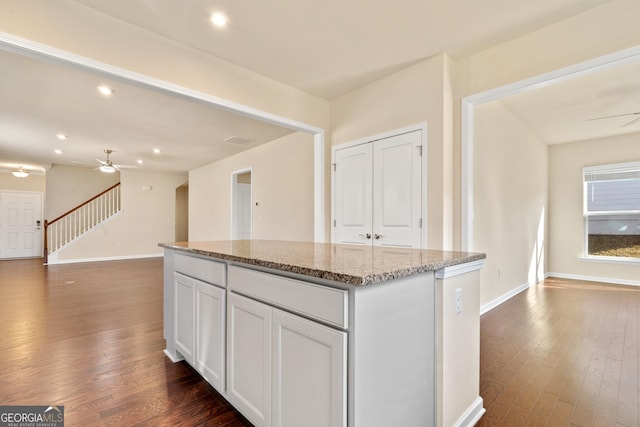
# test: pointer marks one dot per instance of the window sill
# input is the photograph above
(609, 259)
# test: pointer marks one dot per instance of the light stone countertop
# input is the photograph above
(351, 264)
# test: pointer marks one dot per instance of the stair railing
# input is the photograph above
(79, 220)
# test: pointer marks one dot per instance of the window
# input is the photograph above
(612, 210)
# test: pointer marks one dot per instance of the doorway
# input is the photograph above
(241, 208)
(20, 224)
(182, 213)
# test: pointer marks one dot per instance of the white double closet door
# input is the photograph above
(378, 192)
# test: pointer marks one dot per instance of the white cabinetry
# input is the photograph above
(284, 370)
(184, 288)
(309, 373)
(249, 355)
(209, 355)
(199, 315)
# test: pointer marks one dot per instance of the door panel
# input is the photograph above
(210, 333)
(20, 229)
(305, 349)
(378, 192)
(184, 321)
(249, 358)
(353, 198)
(397, 191)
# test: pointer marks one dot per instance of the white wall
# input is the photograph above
(31, 183)
(510, 201)
(147, 218)
(561, 44)
(565, 206)
(68, 186)
(414, 95)
(282, 180)
(95, 35)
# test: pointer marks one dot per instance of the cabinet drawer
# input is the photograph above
(208, 271)
(318, 302)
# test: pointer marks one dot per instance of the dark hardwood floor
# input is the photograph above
(89, 337)
(563, 353)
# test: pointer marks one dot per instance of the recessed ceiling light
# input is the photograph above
(156, 150)
(105, 90)
(140, 162)
(61, 136)
(219, 19)
(57, 151)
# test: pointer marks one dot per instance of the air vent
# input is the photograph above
(238, 141)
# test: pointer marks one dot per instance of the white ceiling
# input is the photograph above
(329, 47)
(40, 100)
(326, 48)
(565, 111)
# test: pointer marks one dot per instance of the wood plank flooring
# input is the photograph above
(89, 337)
(563, 353)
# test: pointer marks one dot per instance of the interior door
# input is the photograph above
(397, 189)
(20, 224)
(378, 192)
(353, 194)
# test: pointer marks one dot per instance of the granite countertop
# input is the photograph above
(351, 264)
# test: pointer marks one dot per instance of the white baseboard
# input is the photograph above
(496, 302)
(471, 415)
(113, 258)
(170, 357)
(595, 279)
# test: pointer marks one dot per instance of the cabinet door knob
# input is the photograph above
(368, 235)
(377, 236)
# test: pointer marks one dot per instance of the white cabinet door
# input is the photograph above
(249, 358)
(210, 333)
(309, 373)
(353, 195)
(184, 318)
(378, 192)
(397, 187)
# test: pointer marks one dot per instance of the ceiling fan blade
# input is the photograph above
(615, 115)
(126, 166)
(82, 163)
(637, 119)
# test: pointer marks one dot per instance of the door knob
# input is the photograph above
(368, 235)
(377, 236)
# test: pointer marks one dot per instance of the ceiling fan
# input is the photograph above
(629, 123)
(107, 166)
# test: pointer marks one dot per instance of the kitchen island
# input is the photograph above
(314, 334)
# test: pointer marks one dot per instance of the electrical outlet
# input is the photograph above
(458, 301)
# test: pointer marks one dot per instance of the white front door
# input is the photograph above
(20, 224)
(378, 192)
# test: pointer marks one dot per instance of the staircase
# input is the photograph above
(80, 220)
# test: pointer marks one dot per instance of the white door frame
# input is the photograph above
(43, 52)
(234, 199)
(423, 206)
(41, 237)
(470, 102)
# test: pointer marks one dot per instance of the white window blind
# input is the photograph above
(613, 188)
